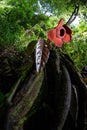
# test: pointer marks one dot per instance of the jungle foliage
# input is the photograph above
(22, 21)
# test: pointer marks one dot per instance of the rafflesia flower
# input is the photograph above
(60, 34)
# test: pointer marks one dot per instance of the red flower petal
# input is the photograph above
(50, 35)
(67, 38)
(60, 23)
(58, 42)
(61, 33)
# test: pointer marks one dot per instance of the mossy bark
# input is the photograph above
(43, 101)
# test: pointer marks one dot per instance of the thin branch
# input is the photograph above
(73, 16)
